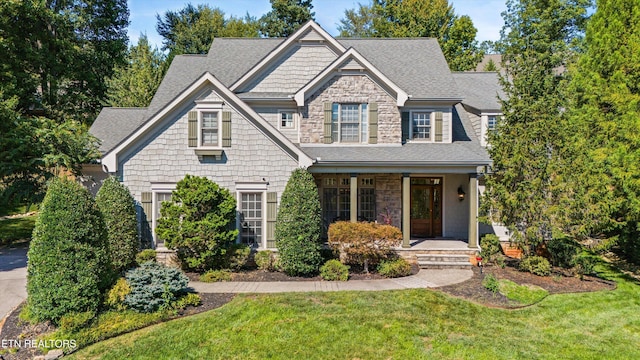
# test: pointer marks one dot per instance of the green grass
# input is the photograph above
(15, 229)
(419, 324)
(523, 294)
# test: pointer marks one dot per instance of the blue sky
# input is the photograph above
(484, 13)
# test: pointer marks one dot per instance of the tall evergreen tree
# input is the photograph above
(135, 83)
(285, 17)
(418, 18)
(605, 113)
(527, 146)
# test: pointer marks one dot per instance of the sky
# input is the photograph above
(484, 13)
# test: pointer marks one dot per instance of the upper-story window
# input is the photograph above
(492, 121)
(209, 128)
(349, 123)
(421, 125)
(287, 120)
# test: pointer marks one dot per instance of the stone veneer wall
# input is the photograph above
(389, 196)
(164, 157)
(351, 89)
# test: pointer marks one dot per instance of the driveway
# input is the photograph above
(13, 278)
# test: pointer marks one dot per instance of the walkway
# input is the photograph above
(423, 279)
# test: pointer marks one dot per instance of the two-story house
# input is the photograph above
(382, 124)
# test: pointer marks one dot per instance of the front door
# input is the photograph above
(426, 207)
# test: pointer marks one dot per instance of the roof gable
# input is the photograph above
(309, 33)
(111, 157)
(351, 60)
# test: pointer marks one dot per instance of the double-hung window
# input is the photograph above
(492, 121)
(421, 125)
(287, 120)
(209, 129)
(349, 123)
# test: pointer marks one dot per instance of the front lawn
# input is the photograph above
(393, 324)
(14, 229)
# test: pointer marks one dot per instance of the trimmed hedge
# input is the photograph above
(536, 265)
(363, 243)
(299, 226)
(69, 267)
(119, 212)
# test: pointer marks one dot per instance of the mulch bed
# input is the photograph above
(471, 289)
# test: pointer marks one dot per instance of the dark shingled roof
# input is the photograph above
(464, 150)
(416, 65)
(480, 89)
(114, 124)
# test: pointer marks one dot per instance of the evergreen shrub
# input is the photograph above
(334, 270)
(265, 260)
(198, 222)
(69, 268)
(536, 265)
(237, 256)
(154, 286)
(119, 213)
(145, 256)
(299, 226)
(394, 268)
(216, 276)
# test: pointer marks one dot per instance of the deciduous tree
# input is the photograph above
(285, 17)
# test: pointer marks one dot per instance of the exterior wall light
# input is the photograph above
(461, 193)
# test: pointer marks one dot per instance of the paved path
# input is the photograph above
(13, 278)
(423, 279)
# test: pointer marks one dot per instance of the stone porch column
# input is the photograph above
(406, 210)
(473, 211)
(353, 209)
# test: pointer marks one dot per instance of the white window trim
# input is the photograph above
(361, 140)
(158, 188)
(248, 187)
(431, 124)
(294, 117)
(209, 107)
(484, 127)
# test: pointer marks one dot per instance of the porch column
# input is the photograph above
(473, 211)
(406, 210)
(353, 209)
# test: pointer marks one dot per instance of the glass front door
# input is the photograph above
(426, 207)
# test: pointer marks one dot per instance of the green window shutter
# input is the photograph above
(226, 129)
(193, 128)
(327, 122)
(272, 212)
(373, 123)
(438, 126)
(405, 126)
(146, 217)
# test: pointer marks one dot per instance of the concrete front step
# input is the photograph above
(444, 265)
(443, 257)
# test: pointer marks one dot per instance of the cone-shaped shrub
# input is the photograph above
(299, 225)
(69, 268)
(118, 210)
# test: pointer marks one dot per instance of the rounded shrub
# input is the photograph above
(264, 260)
(119, 212)
(563, 251)
(299, 226)
(237, 256)
(199, 223)
(154, 286)
(394, 268)
(490, 244)
(69, 268)
(117, 294)
(216, 276)
(536, 265)
(334, 270)
(145, 256)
